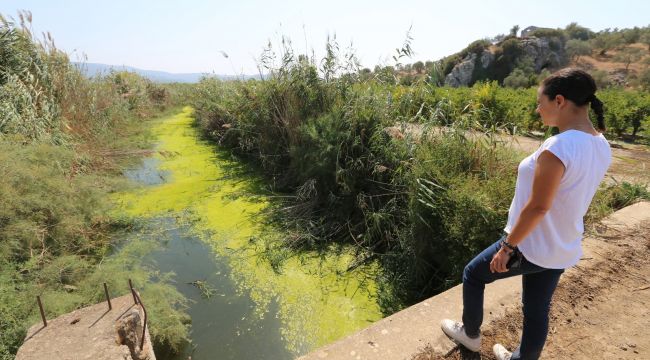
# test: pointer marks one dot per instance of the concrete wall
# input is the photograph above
(404, 334)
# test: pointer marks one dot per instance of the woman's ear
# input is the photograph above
(560, 100)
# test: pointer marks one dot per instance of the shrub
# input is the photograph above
(601, 78)
(542, 32)
(577, 32)
(516, 79)
(577, 48)
(644, 79)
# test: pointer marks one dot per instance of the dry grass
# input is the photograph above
(606, 63)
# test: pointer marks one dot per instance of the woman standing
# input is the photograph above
(543, 234)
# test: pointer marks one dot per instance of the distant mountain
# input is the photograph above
(94, 69)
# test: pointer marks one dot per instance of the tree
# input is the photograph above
(575, 31)
(628, 55)
(630, 36)
(498, 38)
(576, 48)
(514, 30)
(645, 38)
(607, 40)
(365, 74)
(418, 67)
(407, 80)
(385, 74)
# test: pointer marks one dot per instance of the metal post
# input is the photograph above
(137, 300)
(40, 306)
(133, 292)
(108, 298)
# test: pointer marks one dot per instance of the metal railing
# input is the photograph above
(136, 299)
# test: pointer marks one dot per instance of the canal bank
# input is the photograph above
(208, 207)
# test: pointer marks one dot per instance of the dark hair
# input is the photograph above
(579, 87)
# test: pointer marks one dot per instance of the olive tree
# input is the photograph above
(576, 48)
(628, 55)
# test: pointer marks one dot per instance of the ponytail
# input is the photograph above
(597, 107)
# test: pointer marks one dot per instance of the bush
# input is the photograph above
(459, 193)
(577, 48)
(625, 110)
(601, 78)
(516, 79)
(577, 32)
(644, 79)
(559, 33)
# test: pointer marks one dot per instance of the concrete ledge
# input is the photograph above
(405, 333)
(87, 333)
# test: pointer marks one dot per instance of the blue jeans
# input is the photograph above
(538, 285)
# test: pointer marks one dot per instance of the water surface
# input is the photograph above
(209, 212)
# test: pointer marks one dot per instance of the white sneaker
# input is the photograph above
(456, 331)
(501, 352)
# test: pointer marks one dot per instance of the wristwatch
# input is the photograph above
(505, 243)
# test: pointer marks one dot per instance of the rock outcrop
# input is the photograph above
(462, 73)
(545, 53)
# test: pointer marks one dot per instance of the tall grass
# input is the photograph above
(388, 168)
(62, 138)
(356, 178)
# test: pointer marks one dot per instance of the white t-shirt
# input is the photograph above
(555, 242)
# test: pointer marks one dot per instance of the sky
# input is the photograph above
(192, 36)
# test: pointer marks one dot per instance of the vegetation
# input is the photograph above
(513, 67)
(62, 140)
(392, 169)
(629, 55)
(576, 48)
(410, 172)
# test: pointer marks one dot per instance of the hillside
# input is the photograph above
(615, 70)
(619, 57)
(94, 69)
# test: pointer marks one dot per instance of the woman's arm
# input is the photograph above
(548, 173)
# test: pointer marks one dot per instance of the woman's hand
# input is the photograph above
(499, 261)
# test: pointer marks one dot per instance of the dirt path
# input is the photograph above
(630, 162)
(600, 309)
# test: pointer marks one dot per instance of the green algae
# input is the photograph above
(318, 300)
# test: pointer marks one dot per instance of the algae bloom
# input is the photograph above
(317, 300)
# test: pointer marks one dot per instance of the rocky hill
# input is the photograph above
(619, 57)
(540, 52)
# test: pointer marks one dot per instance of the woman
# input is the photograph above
(554, 188)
